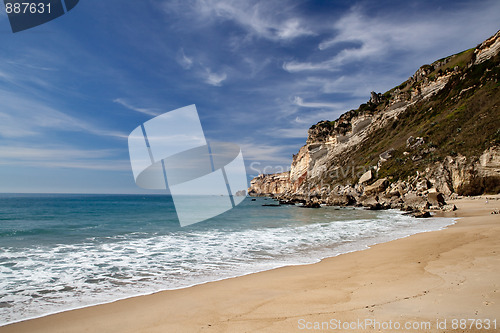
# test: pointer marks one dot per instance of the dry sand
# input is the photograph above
(448, 274)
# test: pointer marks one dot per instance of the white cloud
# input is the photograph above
(200, 70)
(54, 153)
(23, 116)
(183, 60)
(124, 103)
(422, 35)
(264, 19)
(266, 153)
(297, 66)
(291, 133)
(300, 102)
(291, 29)
(356, 85)
(62, 156)
(379, 36)
(214, 79)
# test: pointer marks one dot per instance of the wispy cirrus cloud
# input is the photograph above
(298, 66)
(300, 102)
(206, 73)
(360, 36)
(262, 19)
(51, 152)
(126, 104)
(355, 85)
(62, 156)
(256, 151)
(183, 60)
(214, 79)
(25, 116)
(291, 133)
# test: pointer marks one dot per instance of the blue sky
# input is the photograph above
(260, 73)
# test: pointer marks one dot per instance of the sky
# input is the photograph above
(259, 72)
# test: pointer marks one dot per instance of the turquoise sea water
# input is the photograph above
(59, 252)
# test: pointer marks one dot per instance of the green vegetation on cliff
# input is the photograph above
(462, 118)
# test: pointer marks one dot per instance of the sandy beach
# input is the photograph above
(424, 283)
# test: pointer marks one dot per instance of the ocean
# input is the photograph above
(66, 251)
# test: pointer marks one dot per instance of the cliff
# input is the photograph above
(437, 132)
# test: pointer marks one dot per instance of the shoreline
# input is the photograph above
(376, 241)
(270, 287)
(437, 223)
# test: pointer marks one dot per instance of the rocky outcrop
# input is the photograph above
(489, 163)
(436, 199)
(487, 49)
(366, 177)
(269, 185)
(379, 186)
(340, 164)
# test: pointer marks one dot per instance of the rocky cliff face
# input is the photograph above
(265, 185)
(439, 131)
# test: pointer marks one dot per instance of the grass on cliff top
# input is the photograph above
(459, 59)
